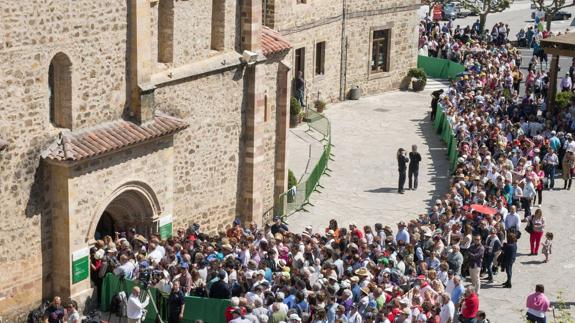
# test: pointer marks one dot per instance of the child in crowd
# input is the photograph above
(547, 245)
(482, 317)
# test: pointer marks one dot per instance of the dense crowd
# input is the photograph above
(509, 152)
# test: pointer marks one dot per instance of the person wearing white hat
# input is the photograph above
(294, 318)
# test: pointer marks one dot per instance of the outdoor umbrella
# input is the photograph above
(484, 209)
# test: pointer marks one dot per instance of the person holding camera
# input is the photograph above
(176, 304)
(135, 308)
(402, 161)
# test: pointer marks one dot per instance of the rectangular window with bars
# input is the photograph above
(380, 51)
(320, 58)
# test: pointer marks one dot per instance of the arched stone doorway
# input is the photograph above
(133, 205)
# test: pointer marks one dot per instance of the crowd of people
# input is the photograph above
(510, 146)
(509, 152)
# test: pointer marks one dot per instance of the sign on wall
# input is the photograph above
(166, 227)
(80, 265)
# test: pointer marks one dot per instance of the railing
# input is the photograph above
(197, 308)
(298, 196)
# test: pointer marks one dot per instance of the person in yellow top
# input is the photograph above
(517, 78)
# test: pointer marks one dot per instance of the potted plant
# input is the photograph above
(292, 181)
(319, 105)
(418, 78)
(295, 113)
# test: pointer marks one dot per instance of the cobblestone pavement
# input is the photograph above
(362, 187)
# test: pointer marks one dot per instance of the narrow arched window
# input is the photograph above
(60, 84)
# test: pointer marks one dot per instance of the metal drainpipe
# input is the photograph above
(343, 60)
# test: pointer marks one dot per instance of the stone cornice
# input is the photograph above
(349, 15)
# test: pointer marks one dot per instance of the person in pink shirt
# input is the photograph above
(537, 305)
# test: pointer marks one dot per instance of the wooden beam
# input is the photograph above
(559, 51)
(553, 69)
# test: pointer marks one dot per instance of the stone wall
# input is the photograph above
(192, 31)
(326, 86)
(402, 52)
(207, 153)
(92, 34)
(322, 20)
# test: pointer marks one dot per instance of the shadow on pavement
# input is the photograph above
(532, 262)
(383, 190)
(438, 172)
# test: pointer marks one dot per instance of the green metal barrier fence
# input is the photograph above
(296, 197)
(439, 68)
(444, 129)
(209, 310)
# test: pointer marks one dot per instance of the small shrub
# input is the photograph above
(563, 99)
(292, 181)
(419, 74)
(295, 107)
(319, 105)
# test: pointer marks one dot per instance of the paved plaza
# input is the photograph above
(362, 187)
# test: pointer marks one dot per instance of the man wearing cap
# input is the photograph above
(185, 278)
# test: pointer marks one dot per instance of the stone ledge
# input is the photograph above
(217, 63)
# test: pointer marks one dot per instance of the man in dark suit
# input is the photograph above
(220, 289)
(434, 102)
(413, 173)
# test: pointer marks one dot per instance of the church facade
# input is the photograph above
(136, 113)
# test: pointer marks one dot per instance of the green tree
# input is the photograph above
(551, 7)
(485, 7)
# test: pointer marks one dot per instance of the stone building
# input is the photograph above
(341, 44)
(118, 114)
(133, 113)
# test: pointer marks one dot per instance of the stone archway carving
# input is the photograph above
(133, 193)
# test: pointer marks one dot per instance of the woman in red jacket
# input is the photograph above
(470, 306)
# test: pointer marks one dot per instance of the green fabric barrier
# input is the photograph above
(439, 68)
(207, 309)
(445, 131)
(439, 118)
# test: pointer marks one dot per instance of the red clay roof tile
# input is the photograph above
(273, 42)
(110, 136)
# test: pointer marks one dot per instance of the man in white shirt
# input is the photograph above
(135, 308)
(126, 269)
(512, 221)
(447, 309)
(529, 193)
